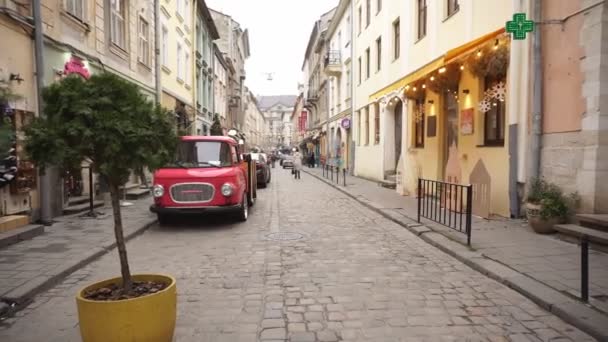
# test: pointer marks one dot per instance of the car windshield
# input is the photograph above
(202, 154)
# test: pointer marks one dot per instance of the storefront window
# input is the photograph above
(494, 123)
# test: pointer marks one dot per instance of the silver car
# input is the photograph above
(288, 162)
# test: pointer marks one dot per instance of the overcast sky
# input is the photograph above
(278, 34)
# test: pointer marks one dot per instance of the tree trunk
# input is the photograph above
(120, 239)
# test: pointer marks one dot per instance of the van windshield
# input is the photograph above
(201, 154)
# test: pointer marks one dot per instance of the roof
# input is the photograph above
(266, 102)
(220, 138)
(208, 19)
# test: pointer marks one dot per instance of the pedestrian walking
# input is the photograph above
(311, 161)
(297, 163)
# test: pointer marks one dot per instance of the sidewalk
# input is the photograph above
(31, 266)
(542, 267)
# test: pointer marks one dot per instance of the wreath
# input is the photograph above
(492, 62)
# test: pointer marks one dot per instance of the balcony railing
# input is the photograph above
(333, 57)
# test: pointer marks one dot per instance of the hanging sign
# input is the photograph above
(519, 26)
(345, 123)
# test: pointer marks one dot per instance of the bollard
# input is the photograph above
(344, 176)
(584, 269)
(331, 170)
(337, 175)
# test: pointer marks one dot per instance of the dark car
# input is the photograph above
(262, 168)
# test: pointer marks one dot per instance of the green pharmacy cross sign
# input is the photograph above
(519, 26)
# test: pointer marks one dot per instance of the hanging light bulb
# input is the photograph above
(423, 86)
(415, 89)
(478, 53)
(407, 87)
(442, 70)
(432, 78)
(496, 45)
(462, 67)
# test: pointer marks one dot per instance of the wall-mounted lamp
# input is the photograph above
(466, 91)
(431, 101)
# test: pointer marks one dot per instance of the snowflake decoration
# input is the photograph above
(485, 106)
(499, 91)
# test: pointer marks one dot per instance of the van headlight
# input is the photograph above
(227, 190)
(158, 191)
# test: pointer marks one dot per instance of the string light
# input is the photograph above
(478, 53)
(462, 67)
(432, 78)
(442, 70)
(407, 87)
(415, 89)
(496, 45)
(423, 86)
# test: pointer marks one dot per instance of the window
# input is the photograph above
(165, 45)
(419, 118)
(339, 40)
(187, 68)
(180, 67)
(494, 123)
(143, 46)
(378, 53)
(367, 62)
(376, 123)
(421, 19)
(348, 90)
(367, 125)
(396, 39)
(368, 12)
(453, 7)
(348, 30)
(117, 23)
(359, 127)
(180, 8)
(378, 6)
(76, 8)
(360, 70)
(187, 12)
(360, 19)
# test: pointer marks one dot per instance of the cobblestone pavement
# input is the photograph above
(545, 258)
(353, 276)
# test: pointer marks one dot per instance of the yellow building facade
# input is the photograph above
(435, 100)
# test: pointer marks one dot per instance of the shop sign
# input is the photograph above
(345, 123)
(76, 66)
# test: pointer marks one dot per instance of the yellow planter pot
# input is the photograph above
(145, 319)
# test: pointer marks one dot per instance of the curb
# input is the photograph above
(578, 314)
(25, 293)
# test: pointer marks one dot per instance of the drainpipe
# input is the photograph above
(351, 161)
(46, 211)
(537, 97)
(158, 45)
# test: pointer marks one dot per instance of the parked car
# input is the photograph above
(288, 162)
(262, 168)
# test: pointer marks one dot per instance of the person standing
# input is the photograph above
(297, 163)
(311, 162)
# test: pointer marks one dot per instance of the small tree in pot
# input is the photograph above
(547, 206)
(107, 121)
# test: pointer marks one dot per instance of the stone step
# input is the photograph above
(19, 234)
(10, 222)
(388, 184)
(594, 235)
(389, 173)
(595, 221)
(391, 178)
(76, 200)
(137, 193)
(81, 208)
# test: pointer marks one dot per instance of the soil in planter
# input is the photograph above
(115, 292)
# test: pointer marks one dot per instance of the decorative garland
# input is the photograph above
(497, 93)
(492, 62)
(447, 80)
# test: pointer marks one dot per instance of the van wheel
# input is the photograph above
(244, 210)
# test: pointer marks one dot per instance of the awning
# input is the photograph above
(447, 58)
(436, 64)
(455, 53)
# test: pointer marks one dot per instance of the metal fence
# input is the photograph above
(447, 204)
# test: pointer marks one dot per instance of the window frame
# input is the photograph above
(378, 6)
(180, 67)
(368, 12)
(118, 38)
(499, 112)
(421, 13)
(367, 63)
(419, 127)
(378, 54)
(143, 42)
(396, 39)
(71, 10)
(376, 123)
(187, 70)
(452, 7)
(360, 19)
(360, 70)
(164, 45)
(366, 125)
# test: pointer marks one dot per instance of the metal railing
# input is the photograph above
(333, 57)
(330, 170)
(447, 204)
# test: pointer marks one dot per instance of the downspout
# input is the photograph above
(157, 50)
(352, 92)
(537, 98)
(46, 208)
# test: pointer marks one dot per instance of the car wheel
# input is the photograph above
(163, 219)
(244, 210)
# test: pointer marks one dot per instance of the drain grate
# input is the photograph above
(284, 236)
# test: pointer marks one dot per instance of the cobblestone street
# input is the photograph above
(349, 275)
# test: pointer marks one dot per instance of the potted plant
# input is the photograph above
(546, 206)
(107, 121)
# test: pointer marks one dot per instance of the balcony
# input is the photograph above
(332, 63)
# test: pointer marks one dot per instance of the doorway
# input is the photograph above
(451, 161)
(398, 130)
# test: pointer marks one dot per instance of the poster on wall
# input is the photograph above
(466, 121)
(432, 126)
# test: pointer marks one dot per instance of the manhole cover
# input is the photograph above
(284, 236)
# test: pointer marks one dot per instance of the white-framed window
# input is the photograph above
(76, 8)
(180, 67)
(143, 46)
(117, 22)
(180, 7)
(187, 68)
(165, 45)
(186, 13)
